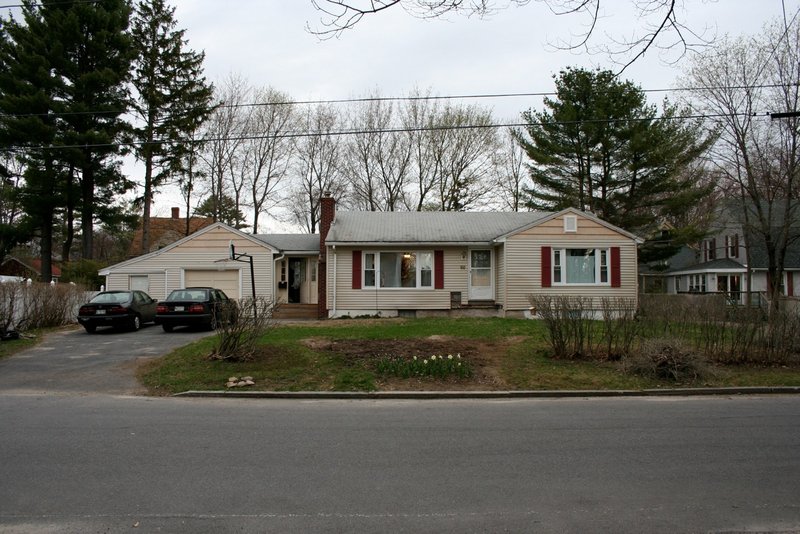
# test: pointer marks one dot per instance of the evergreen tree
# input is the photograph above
(224, 211)
(95, 54)
(600, 147)
(28, 127)
(62, 88)
(172, 99)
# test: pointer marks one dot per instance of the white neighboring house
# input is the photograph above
(722, 266)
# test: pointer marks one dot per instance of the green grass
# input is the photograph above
(521, 361)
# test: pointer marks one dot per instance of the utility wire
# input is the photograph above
(398, 99)
(64, 2)
(338, 133)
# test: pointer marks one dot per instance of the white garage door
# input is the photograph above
(228, 281)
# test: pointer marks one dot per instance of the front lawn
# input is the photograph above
(352, 355)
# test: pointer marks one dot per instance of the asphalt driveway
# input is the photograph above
(74, 362)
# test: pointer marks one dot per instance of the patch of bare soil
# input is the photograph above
(484, 358)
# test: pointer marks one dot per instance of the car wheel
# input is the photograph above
(167, 327)
(90, 328)
(214, 323)
(136, 323)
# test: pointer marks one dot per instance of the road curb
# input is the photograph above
(433, 395)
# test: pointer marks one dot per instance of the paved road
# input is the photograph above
(106, 464)
(75, 362)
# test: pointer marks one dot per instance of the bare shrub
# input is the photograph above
(29, 306)
(620, 326)
(11, 303)
(667, 359)
(240, 326)
(568, 321)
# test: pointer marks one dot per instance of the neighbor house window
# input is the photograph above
(709, 249)
(580, 266)
(697, 283)
(732, 244)
(398, 269)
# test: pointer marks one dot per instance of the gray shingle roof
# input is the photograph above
(427, 227)
(713, 265)
(292, 242)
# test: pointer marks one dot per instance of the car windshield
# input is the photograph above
(197, 295)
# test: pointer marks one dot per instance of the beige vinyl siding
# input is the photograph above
(202, 252)
(499, 276)
(347, 298)
(524, 269)
(587, 228)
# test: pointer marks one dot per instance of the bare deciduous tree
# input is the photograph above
(760, 158)
(377, 158)
(511, 175)
(267, 152)
(661, 23)
(223, 140)
(470, 144)
(317, 166)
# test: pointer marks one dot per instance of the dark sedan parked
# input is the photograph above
(194, 306)
(120, 309)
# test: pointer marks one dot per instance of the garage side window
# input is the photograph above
(140, 283)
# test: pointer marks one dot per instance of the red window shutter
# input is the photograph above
(616, 268)
(789, 284)
(713, 254)
(547, 259)
(438, 269)
(356, 269)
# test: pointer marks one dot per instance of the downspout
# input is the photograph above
(274, 287)
(334, 280)
(505, 278)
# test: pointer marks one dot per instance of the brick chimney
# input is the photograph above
(327, 212)
(176, 213)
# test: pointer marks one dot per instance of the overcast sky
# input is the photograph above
(267, 42)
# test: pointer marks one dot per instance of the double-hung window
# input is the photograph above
(412, 269)
(580, 266)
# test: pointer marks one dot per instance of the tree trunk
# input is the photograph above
(87, 208)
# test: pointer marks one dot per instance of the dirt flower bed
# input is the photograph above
(484, 358)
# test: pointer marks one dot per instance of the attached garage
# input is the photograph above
(228, 281)
(201, 259)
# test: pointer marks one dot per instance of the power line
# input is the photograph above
(339, 133)
(63, 2)
(476, 96)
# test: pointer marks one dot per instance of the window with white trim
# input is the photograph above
(585, 266)
(398, 269)
(697, 283)
(570, 223)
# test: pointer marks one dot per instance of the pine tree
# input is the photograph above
(28, 126)
(599, 146)
(62, 87)
(94, 63)
(172, 99)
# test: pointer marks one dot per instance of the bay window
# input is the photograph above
(580, 266)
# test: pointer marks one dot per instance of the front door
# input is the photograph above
(297, 278)
(480, 274)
